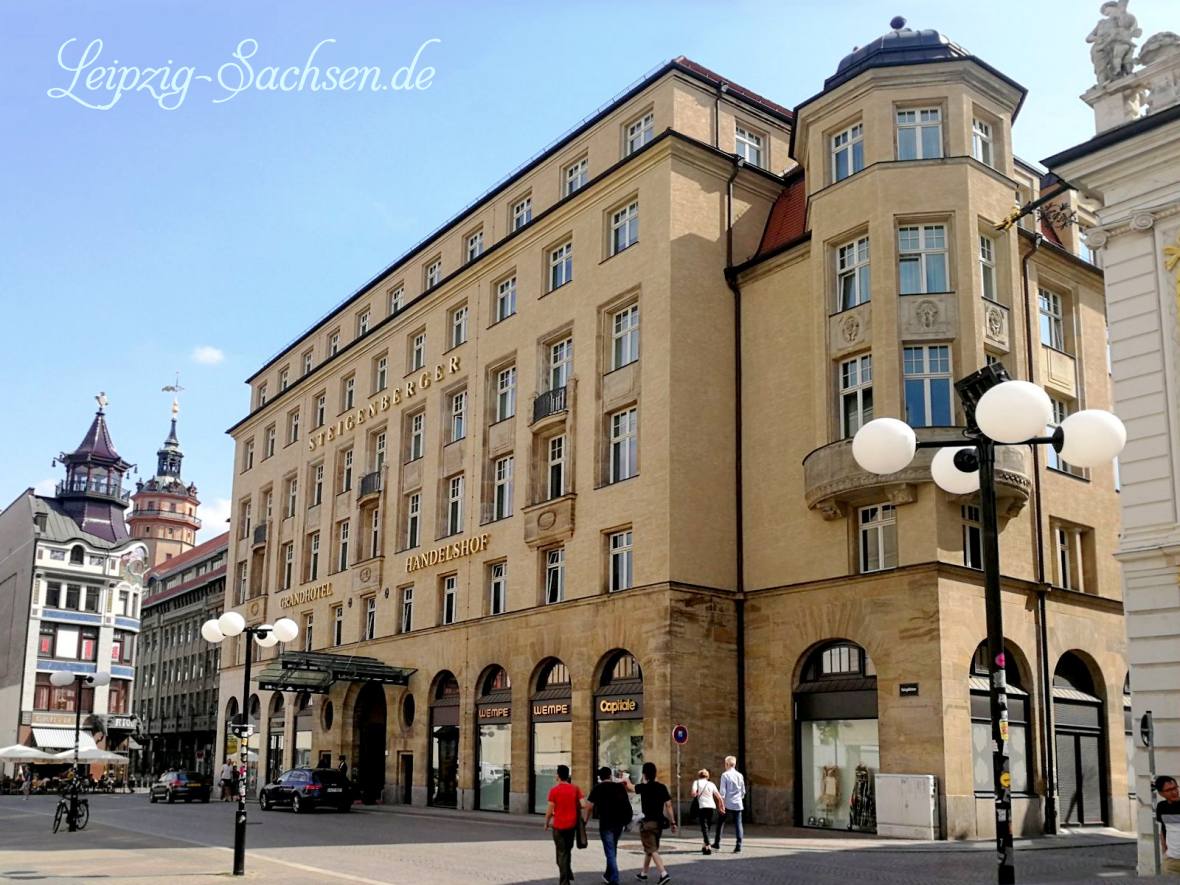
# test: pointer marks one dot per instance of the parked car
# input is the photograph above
(307, 788)
(186, 785)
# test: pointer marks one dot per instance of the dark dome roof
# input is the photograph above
(901, 46)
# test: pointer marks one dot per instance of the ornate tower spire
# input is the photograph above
(92, 492)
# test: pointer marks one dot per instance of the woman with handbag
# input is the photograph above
(564, 816)
(707, 799)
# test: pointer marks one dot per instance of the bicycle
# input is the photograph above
(63, 811)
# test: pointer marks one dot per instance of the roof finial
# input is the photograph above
(174, 389)
(897, 22)
(102, 400)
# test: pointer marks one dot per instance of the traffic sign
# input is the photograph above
(680, 734)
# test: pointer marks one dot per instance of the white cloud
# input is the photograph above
(213, 519)
(207, 355)
(45, 487)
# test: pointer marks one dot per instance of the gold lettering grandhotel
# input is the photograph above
(576, 469)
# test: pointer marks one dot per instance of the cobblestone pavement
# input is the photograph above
(130, 841)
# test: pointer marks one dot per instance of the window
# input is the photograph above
(1067, 557)
(433, 273)
(333, 344)
(922, 259)
(576, 176)
(848, 152)
(292, 496)
(554, 575)
(348, 393)
(522, 213)
(981, 142)
(624, 336)
(379, 440)
(475, 245)
(841, 660)
(556, 474)
(293, 427)
(317, 485)
(505, 299)
(375, 532)
(987, 267)
(497, 588)
(245, 516)
(927, 370)
(856, 394)
(1052, 324)
(1019, 734)
(362, 323)
(458, 415)
(248, 455)
(502, 494)
(242, 585)
(458, 325)
(639, 133)
(342, 549)
(506, 393)
(878, 538)
(620, 561)
(624, 445)
(417, 436)
(346, 471)
(450, 592)
(561, 265)
(919, 134)
(748, 145)
(455, 504)
(307, 362)
(308, 625)
(321, 408)
(370, 617)
(972, 537)
(313, 559)
(1061, 411)
(288, 565)
(407, 618)
(337, 625)
(284, 379)
(624, 227)
(262, 394)
(561, 358)
(381, 373)
(397, 299)
(413, 519)
(418, 352)
(852, 273)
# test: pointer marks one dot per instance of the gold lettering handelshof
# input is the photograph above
(447, 552)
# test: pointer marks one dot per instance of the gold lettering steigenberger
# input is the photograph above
(299, 597)
(447, 552)
(381, 403)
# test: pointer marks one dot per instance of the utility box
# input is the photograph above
(907, 806)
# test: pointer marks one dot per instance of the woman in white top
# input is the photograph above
(708, 801)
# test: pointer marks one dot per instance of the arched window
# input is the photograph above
(554, 675)
(77, 555)
(618, 715)
(1079, 733)
(443, 775)
(1019, 729)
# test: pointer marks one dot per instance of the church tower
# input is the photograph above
(165, 512)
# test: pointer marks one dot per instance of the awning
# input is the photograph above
(315, 672)
(1066, 693)
(980, 684)
(62, 739)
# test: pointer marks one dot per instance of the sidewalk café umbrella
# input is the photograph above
(21, 753)
(94, 755)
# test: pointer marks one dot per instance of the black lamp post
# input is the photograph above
(266, 635)
(61, 679)
(999, 412)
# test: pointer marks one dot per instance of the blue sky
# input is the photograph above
(138, 241)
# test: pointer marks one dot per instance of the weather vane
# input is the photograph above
(175, 390)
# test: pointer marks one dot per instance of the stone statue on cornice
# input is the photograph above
(1113, 42)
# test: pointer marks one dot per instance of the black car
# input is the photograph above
(307, 788)
(186, 785)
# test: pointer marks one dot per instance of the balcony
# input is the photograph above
(158, 513)
(370, 485)
(260, 534)
(551, 402)
(94, 488)
(833, 482)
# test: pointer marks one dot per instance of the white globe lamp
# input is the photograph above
(99, 678)
(211, 631)
(947, 474)
(1014, 411)
(285, 630)
(61, 678)
(1092, 437)
(884, 445)
(231, 624)
(266, 639)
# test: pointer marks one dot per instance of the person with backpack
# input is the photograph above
(609, 803)
(708, 800)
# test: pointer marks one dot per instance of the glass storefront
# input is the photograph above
(618, 716)
(620, 747)
(495, 767)
(444, 766)
(552, 746)
(839, 759)
(302, 748)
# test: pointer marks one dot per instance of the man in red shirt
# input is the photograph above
(565, 801)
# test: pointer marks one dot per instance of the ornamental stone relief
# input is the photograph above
(995, 325)
(850, 330)
(929, 316)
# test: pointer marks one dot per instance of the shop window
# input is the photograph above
(1019, 731)
(618, 716)
(443, 777)
(552, 730)
(494, 747)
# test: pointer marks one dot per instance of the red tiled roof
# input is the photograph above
(177, 563)
(1049, 233)
(745, 93)
(788, 216)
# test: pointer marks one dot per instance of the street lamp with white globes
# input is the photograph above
(999, 411)
(267, 636)
(60, 679)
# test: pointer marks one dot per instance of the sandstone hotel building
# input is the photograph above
(576, 468)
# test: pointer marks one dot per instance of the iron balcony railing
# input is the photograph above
(102, 487)
(370, 484)
(549, 403)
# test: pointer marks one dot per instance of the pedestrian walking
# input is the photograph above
(227, 780)
(26, 784)
(608, 803)
(733, 792)
(1167, 813)
(343, 766)
(708, 801)
(656, 802)
(561, 816)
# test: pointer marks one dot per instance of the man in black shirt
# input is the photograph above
(1168, 814)
(609, 803)
(657, 811)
